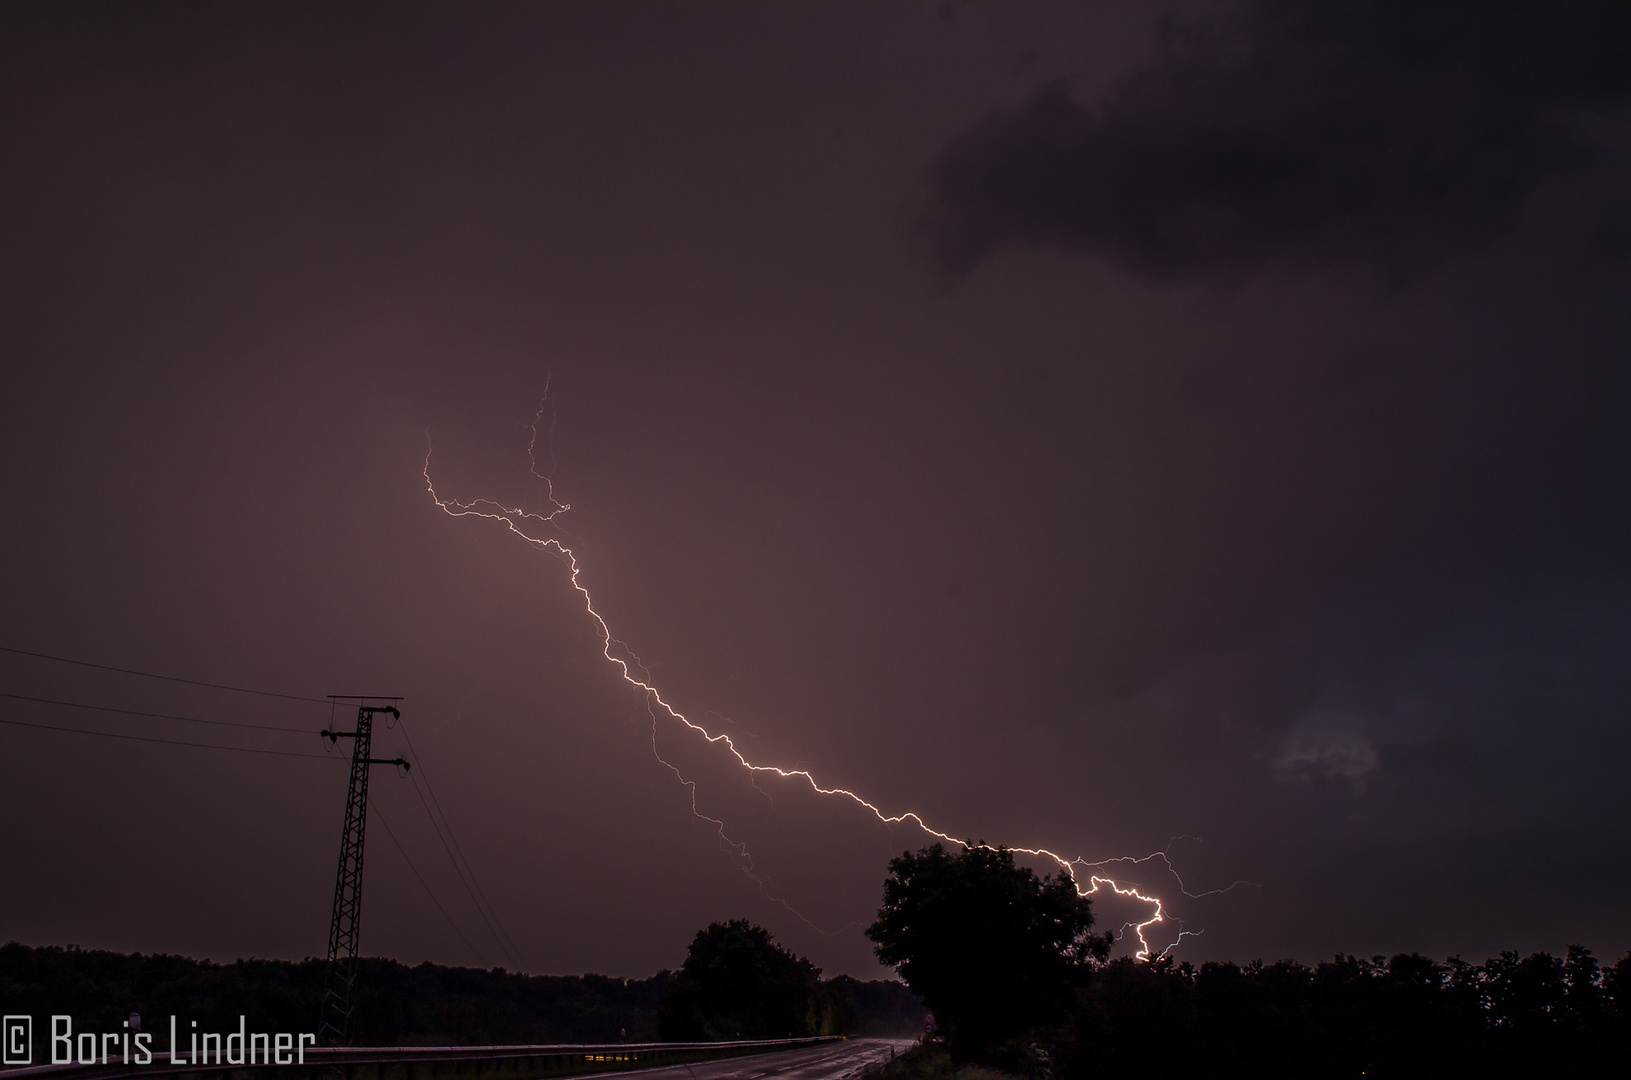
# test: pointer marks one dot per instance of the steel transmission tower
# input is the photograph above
(340, 977)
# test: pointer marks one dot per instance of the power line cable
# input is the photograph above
(462, 879)
(170, 742)
(154, 715)
(500, 934)
(423, 884)
(507, 942)
(166, 678)
(503, 931)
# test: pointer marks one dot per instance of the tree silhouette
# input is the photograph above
(738, 983)
(992, 950)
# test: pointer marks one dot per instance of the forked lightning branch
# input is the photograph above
(537, 530)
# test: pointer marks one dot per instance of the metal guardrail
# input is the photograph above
(430, 1062)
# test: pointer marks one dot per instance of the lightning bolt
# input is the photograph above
(537, 528)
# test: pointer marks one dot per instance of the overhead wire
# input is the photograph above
(461, 863)
(165, 678)
(502, 933)
(423, 884)
(155, 715)
(169, 742)
(463, 880)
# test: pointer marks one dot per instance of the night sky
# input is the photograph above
(1109, 427)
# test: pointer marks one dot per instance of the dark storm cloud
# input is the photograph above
(1382, 134)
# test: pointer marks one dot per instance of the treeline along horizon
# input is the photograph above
(1402, 1016)
(396, 1005)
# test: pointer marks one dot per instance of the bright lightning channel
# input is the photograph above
(518, 520)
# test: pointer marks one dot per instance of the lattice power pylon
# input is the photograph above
(340, 977)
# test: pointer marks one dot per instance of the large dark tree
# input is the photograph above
(992, 950)
(738, 983)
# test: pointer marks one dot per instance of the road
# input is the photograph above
(833, 1061)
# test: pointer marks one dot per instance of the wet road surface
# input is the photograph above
(831, 1061)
